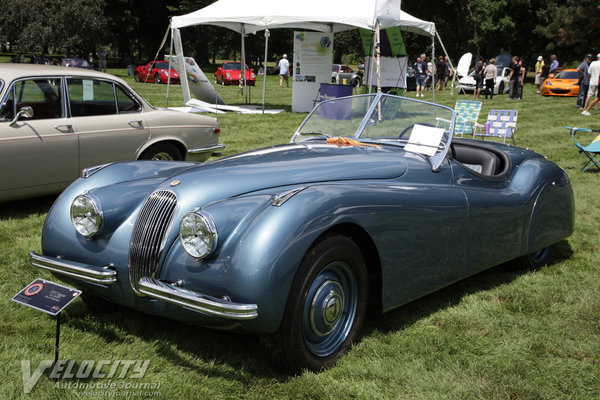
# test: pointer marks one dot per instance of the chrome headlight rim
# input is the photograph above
(206, 222)
(96, 207)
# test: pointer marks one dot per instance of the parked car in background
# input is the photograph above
(230, 73)
(343, 73)
(75, 63)
(293, 242)
(564, 83)
(467, 83)
(54, 121)
(157, 72)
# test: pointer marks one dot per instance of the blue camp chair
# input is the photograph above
(500, 123)
(591, 151)
(467, 112)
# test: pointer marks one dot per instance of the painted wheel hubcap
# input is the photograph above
(330, 309)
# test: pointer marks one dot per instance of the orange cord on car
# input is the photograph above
(341, 141)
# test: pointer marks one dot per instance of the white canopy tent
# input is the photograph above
(325, 16)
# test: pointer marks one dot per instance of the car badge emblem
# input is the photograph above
(175, 182)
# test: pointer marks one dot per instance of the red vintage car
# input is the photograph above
(230, 73)
(156, 71)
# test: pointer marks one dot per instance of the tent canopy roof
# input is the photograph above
(319, 15)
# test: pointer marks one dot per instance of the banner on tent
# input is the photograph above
(311, 66)
(392, 43)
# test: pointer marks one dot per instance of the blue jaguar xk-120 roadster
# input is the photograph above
(372, 203)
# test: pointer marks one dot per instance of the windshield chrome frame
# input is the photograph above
(435, 160)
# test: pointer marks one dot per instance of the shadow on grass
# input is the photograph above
(22, 208)
(240, 357)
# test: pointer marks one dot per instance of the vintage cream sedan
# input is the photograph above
(55, 121)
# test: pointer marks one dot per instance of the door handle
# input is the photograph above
(136, 124)
(65, 128)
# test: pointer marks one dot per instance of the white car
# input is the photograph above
(467, 83)
(55, 121)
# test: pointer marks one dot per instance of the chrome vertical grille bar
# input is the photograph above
(148, 235)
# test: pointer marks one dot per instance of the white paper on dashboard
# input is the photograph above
(424, 139)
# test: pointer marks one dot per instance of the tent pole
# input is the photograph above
(243, 57)
(449, 60)
(378, 49)
(170, 66)
(432, 67)
(265, 69)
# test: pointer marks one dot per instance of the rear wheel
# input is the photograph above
(501, 88)
(326, 306)
(538, 259)
(162, 151)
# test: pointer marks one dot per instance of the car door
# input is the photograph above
(108, 121)
(38, 154)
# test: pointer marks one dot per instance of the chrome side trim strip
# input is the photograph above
(199, 150)
(196, 301)
(89, 273)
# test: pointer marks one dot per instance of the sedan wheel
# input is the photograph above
(326, 306)
(162, 152)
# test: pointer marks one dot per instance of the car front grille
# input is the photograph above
(149, 231)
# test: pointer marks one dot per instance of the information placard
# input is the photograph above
(46, 296)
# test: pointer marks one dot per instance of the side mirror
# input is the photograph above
(25, 112)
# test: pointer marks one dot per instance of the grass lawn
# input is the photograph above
(502, 334)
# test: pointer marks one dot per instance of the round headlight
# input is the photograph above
(86, 215)
(228, 75)
(198, 234)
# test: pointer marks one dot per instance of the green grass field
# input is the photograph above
(502, 334)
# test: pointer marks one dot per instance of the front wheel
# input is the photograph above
(326, 306)
(501, 88)
(537, 259)
(162, 152)
(156, 78)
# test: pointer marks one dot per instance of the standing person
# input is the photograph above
(553, 64)
(284, 71)
(421, 73)
(513, 78)
(539, 65)
(490, 73)
(102, 54)
(594, 71)
(521, 80)
(478, 77)
(430, 66)
(584, 80)
(440, 72)
(449, 71)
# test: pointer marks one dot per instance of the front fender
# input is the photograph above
(261, 246)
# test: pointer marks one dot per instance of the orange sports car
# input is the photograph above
(563, 83)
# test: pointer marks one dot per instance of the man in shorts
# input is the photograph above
(284, 71)
(539, 65)
(592, 99)
(421, 73)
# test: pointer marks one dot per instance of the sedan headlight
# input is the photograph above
(198, 234)
(86, 215)
(228, 75)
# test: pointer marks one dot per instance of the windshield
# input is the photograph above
(567, 75)
(161, 65)
(233, 66)
(382, 118)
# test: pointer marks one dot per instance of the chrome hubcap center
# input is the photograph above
(326, 308)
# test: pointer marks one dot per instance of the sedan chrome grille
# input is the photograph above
(147, 239)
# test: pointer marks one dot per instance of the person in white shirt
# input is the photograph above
(592, 99)
(284, 71)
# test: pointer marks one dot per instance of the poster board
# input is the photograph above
(311, 66)
(393, 72)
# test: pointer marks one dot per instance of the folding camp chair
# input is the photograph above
(467, 112)
(591, 151)
(500, 123)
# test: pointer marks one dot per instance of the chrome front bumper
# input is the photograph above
(150, 287)
(89, 273)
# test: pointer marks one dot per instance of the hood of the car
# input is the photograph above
(286, 165)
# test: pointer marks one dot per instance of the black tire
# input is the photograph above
(162, 151)
(136, 76)
(538, 259)
(356, 83)
(326, 307)
(501, 88)
(156, 78)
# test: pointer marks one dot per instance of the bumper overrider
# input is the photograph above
(149, 287)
